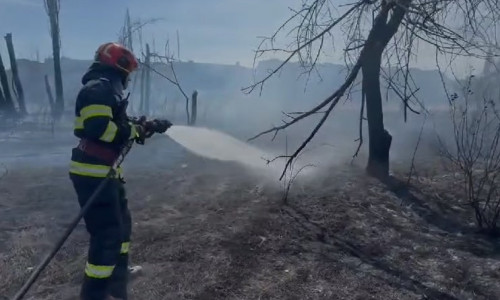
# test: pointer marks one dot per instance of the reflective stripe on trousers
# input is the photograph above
(125, 248)
(98, 272)
(101, 272)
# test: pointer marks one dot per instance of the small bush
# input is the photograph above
(475, 151)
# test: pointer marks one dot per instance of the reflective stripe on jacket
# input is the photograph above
(92, 170)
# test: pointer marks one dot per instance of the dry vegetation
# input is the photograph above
(212, 230)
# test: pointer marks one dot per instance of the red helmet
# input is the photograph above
(116, 56)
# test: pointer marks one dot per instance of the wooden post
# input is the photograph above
(18, 87)
(52, 7)
(194, 107)
(147, 93)
(9, 104)
(51, 104)
(49, 95)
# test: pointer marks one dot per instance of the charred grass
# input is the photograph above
(209, 230)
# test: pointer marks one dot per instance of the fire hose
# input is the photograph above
(150, 128)
(111, 174)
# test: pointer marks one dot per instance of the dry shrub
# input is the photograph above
(475, 152)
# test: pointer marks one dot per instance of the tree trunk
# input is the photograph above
(379, 139)
(52, 105)
(147, 93)
(142, 88)
(53, 11)
(132, 91)
(194, 107)
(128, 25)
(3, 103)
(384, 28)
(9, 104)
(50, 96)
(15, 74)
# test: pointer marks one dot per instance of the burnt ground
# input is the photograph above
(211, 230)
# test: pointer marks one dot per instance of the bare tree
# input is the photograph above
(126, 37)
(129, 31)
(142, 87)
(168, 58)
(131, 28)
(377, 32)
(52, 8)
(9, 103)
(50, 97)
(17, 87)
(147, 81)
(52, 105)
(3, 102)
(475, 151)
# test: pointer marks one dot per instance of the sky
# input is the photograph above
(218, 31)
(215, 31)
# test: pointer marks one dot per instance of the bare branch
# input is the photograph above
(361, 117)
(412, 166)
(297, 50)
(169, 60)
(332, 98)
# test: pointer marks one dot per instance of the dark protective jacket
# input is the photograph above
(101, 118)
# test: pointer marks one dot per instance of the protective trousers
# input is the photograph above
(108, 222)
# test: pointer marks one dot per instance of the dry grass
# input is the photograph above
(213, 231)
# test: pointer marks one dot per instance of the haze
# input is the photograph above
(219, 31)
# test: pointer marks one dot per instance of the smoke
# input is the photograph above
(223, 107)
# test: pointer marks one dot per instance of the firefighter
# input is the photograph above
(103, 128)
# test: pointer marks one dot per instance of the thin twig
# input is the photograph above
(412, 167)
(361, 117)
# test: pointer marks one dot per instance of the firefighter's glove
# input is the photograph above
(141, 134)
(157, 126)
(145, 131)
